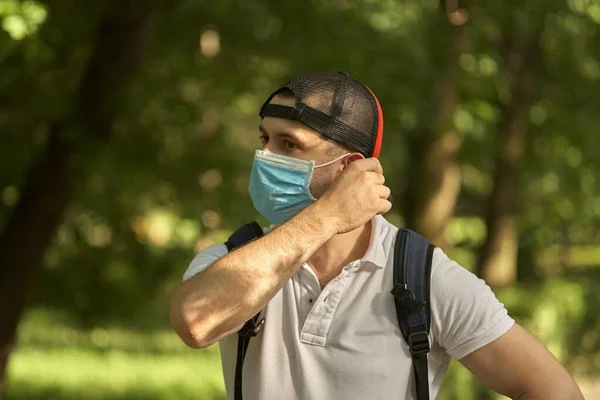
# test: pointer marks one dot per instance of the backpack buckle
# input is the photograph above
(407, 299)
(251, 327)
(418, 342)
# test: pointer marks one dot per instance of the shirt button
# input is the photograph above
(310, 301)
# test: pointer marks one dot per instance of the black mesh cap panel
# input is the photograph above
(335, 105)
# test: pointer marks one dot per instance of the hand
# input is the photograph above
(356, 195)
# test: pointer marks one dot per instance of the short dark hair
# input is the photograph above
(335, 149)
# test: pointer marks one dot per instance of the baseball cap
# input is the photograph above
(337, 106)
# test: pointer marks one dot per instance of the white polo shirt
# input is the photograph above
(343, 342)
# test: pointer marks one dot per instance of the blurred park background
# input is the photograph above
(127, 135)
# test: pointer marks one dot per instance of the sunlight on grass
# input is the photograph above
(57, 361)
(84, 373)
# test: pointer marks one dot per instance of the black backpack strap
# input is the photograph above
(240, 237)
(412, 272)
(244, 234)
(248, 331)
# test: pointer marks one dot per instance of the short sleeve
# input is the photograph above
(465, 313)
(204, 259)
(209, 255)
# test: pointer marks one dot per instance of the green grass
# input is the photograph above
(75, 373)
(56, 361)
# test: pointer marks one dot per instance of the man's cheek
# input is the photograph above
(319, 184)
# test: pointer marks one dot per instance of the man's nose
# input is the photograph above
(268, 148)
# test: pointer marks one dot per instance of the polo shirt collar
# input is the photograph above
(376, 253)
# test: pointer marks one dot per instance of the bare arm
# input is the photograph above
(219, 300)
(518, 365)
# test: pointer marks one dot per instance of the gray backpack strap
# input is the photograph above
(412, 273)
(245, 234)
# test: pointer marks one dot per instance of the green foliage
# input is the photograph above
(21, 19)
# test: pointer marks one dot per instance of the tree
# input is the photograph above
(499, 253)
(49, 184)
(434, 178)
(528, 83)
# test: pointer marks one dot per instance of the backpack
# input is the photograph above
(412, 272)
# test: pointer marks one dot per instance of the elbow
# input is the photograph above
(190, 327)
(193, 341)
(565, 389)
(191, 336)
(576, 392)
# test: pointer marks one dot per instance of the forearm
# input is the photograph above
(220, 299)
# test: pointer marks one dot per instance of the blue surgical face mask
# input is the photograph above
(279, 185)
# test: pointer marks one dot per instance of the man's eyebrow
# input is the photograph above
(284, 134)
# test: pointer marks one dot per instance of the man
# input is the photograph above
(323, 273)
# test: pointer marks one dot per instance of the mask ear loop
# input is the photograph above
(331, 162)
(318, 166)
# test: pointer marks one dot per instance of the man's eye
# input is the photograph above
(290, 145)
(264, 139)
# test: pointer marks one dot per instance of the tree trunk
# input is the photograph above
(435, 184)
(498, 259)
(27, 234)
(48, 186)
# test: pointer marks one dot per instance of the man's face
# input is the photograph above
(294, 139)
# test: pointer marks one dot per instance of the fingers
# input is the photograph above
(376, 178)
(368, 164)
(375, 165)
(383, 192)
(384, 206)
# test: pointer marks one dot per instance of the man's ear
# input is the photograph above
(353, 157)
